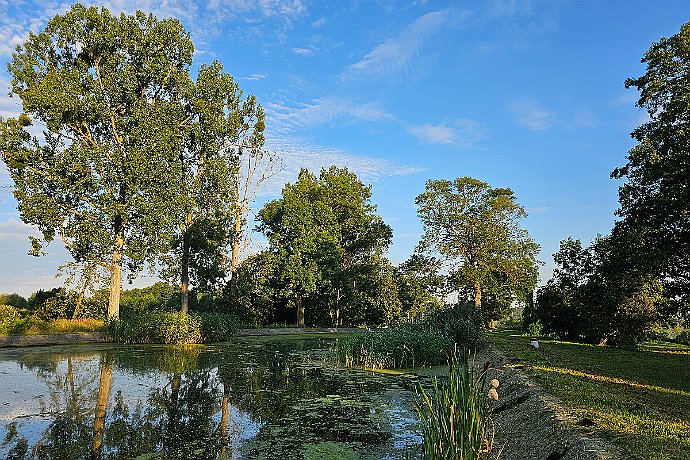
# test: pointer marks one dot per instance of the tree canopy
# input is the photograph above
(326, 241)
(655, 199)
(477, 229)
(107, 89)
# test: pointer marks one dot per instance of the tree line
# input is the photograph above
(140, 164)
(613, 290)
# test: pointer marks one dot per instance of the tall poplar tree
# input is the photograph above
(222, 127)
(107, 89)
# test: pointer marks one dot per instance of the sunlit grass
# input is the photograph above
(35, 326)
(639, 398)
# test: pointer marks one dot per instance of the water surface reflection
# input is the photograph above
(269, 398)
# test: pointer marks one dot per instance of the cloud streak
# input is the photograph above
(397, 53)
(284, 119)
(296, 155)
(531, 115)
(464, 133)
(17, 19)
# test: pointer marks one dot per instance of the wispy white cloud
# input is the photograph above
(433, 134)
(303, 51)
(510, 7)
(531, 115)
(396, 53)
(202, 19)
(254, 77)
(319, 23)
(464, 133)
(283, 119)
(296, 154)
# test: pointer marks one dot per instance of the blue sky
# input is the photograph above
(522, 94)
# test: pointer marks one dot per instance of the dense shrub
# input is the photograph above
(9, 317)
(410, 345)
(417, 343)
(218, 327)
(14, 300)
(677, 333)
(461, 323)
(172, 328)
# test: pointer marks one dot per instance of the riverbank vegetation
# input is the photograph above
(425, 341)
(638, 398)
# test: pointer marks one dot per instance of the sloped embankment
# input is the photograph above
(533, 425)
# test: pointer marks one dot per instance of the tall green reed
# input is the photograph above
(454, 414)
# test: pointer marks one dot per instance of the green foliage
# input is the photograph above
(172, 328)
(14, 300)
(326, 242)
(596, 296)
(104, 178)
(220, 127)
(476, 227)
(53, 304)
(460, 322)
(423, 342)
(654, 198)
(403, 346)
(455, 416)
(676, 333)
(420, 285)
(218, 327)
(9, 316)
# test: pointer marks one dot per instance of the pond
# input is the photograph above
(253, 398)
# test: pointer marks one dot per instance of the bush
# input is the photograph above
(423, 342)
(460, 323)
(9, 318)
(172, 328)
(409, 345)
(455, 415)
(218, 327)
(676, 333)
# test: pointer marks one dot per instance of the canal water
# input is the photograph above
(252, 398)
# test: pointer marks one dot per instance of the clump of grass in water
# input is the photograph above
(400, 347)
(454, 415)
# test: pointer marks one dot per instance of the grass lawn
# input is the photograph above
(639, 398)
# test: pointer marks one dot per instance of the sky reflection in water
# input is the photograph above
(267, 398)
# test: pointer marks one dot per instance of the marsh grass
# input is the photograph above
(454, 414)
(400, 347)
(424, 342)
(639, 398)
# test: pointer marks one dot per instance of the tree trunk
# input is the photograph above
(102, 405)
(299, 301)
(116, 272)
(235, 255)
(477, 296)
(184, 268)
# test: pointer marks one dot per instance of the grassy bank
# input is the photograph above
(35, 326)
(638, 398)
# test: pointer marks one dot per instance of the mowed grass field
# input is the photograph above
(638, 398)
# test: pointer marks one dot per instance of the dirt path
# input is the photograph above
(531, 424)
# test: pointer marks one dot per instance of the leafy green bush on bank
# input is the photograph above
(172, 328)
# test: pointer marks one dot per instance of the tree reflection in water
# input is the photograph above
(278, 398)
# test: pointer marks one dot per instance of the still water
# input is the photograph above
(253, 398)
